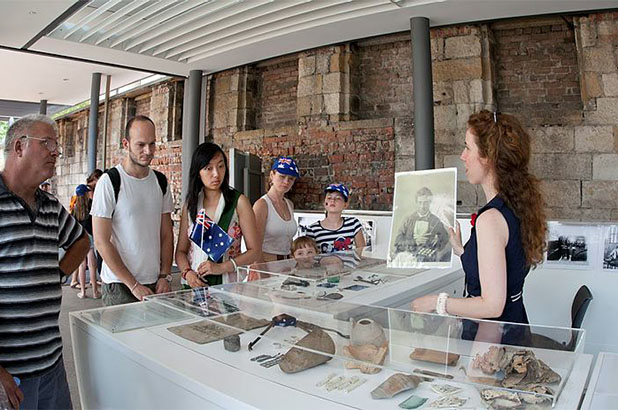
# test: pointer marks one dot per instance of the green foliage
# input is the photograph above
(4, 127)
(71, 109)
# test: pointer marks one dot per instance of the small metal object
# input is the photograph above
(373, 280)
(296, 282)
(282, 320)
(265, 358)
(329, 296)
(256, 358)
(273, 361)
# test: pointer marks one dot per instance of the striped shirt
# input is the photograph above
(30, 290)
(341, 239)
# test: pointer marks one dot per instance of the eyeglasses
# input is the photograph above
(50, 144)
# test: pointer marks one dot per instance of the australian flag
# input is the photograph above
(210, 237)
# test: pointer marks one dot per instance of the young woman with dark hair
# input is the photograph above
(209, 190)
(508, 235)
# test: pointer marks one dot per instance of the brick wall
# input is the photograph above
(276, 93)
(384, 76)
(327, 154)
(537, 69)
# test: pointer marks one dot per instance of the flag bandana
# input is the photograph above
(286, 166)
(210, 237)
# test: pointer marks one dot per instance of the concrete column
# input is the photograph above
(191, 123)
(423, 94)
(43, 107)
(93, 120)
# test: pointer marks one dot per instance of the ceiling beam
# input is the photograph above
(123, 25)
(198, 34)
(115, 16)
(90, 17)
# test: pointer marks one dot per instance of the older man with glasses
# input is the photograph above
(33, 225)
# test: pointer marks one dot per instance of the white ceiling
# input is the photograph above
(174, 37)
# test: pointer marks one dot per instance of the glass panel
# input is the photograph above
(358, 355)
(504, 362)
(132, 316)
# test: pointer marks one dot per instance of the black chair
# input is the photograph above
(580, 304)
(582, 299)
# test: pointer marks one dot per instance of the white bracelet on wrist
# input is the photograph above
(441, 304)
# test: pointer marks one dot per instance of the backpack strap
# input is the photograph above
(162, 179)
(228, 212)
(114, 177)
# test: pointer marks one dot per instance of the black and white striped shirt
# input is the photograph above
(30, 290)
(341, 239)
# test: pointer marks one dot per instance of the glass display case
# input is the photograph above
(334, 275)
(354, 355)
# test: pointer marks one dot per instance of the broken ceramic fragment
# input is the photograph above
(298, 359)
(395, 384)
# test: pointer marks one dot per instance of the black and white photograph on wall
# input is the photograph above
(568, 245)
(423, 210)
(369, 232)
(610, 250)
(305, 221)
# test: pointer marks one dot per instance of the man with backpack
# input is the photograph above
(132, 223)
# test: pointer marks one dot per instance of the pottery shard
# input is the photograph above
(298, 359)
(397, 383)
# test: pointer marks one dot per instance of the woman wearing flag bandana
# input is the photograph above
(214, 220)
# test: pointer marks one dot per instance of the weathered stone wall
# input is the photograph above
(345, 111)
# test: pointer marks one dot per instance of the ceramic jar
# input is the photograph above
(367, 332)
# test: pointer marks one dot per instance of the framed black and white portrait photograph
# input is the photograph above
(423, 210)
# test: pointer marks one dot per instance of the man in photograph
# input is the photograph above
(422, 234)
(611, 261)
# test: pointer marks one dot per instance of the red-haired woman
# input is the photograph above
(508, 236)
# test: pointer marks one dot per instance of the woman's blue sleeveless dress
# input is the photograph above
(516, 271)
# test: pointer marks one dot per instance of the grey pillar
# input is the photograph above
(190, 124)
(93, 119)
(43, 107)
(423, 94)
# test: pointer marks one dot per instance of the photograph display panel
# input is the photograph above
(423, 210)
(571, 245)
(610, 247)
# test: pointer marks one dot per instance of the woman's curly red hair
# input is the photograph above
(502, 139)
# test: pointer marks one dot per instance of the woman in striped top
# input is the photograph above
(335, 232)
